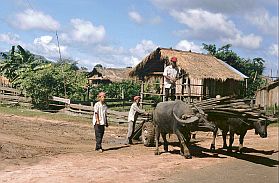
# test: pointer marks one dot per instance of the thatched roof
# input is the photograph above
(197, 65)
(112, 74)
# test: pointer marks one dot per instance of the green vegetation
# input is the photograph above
(253, 68)
(41, 78)
(124, 89)
(40, 114)
(273, 110)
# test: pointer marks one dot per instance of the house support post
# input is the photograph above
(141, 94)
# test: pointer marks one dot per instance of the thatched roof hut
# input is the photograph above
(197, 65)
(109, 75)
(207, 75)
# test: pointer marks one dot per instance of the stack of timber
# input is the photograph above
(228, 107)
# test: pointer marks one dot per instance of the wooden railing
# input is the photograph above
(13, 96)
(87, 110)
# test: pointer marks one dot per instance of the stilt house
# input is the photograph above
(203, 76)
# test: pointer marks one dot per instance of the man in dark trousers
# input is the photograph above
(100, 120)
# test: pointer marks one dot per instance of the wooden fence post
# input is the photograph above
(122, 97)
(141, 93)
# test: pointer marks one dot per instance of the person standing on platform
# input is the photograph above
(171, 74)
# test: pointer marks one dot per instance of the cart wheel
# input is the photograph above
(148, 134)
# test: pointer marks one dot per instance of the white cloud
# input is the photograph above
(142, 49)
(84, 32)
(112, 56)
(135, 17)
(46, 46)
(266, 23)
(30, 19)
(205, 24)
(155, 20)
(229, 7)
(250, 41)
(273, 50)
(186, 46)
(104, 49)
(11, 39)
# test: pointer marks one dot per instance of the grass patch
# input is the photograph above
(19, 111)
(276, 124)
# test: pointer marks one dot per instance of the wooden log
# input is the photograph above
(59, 99)
(81, 107)
(218, 112)
(80, 112)
(233, 110)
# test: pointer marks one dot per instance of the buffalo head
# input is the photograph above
(198, 121)
(261, 127)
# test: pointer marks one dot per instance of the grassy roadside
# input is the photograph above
(40, 114)
(20, 111)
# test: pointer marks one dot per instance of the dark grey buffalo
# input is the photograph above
(240, 127)
(178, 118)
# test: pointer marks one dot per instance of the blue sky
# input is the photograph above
(121, 33)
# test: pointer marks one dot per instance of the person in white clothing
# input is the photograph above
(132, 118)
(100, 120)
(171, 74)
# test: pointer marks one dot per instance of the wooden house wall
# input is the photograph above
(212, 88)
(273, 96)
(267, 98)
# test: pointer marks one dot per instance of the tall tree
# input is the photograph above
(253, 68)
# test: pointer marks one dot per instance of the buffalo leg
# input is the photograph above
(212, 146)
(241, 139)
(224, 135)
(231, 141)
(165, 142)
(181, 138)
(157, 136)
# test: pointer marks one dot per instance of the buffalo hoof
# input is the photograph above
(157, 153)
(241, 151)
(189, 156)
(166, 149)
(212, 147)
(224, 147)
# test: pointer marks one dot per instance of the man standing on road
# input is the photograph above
(171, 74)
(132, 118)
(100, 120)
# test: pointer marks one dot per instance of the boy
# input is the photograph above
(132, 118)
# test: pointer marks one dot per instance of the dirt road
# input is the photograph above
(40, 150)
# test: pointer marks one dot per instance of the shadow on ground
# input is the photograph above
(257, 159)
(201, 152)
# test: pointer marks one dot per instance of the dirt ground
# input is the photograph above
(40, 150)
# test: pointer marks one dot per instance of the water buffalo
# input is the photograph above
(240, 127)
(178, 118)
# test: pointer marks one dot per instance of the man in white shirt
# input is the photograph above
(132, 118)
(100, 120)
(170, 74)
